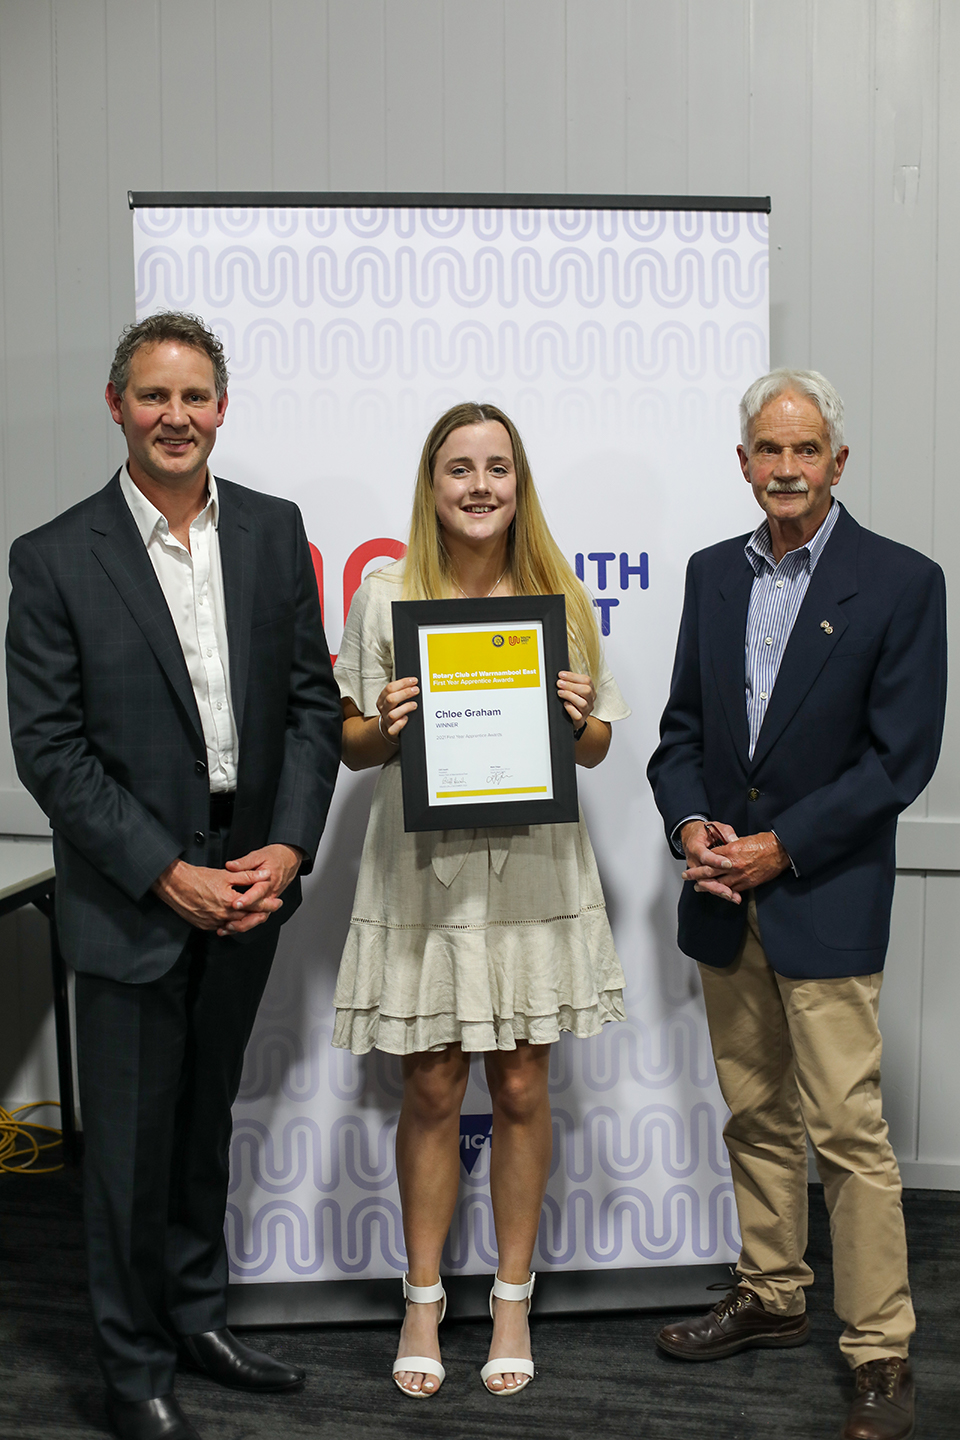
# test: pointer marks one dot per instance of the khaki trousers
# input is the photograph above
(797, 1058)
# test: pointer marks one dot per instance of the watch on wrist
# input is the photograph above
(578, 733)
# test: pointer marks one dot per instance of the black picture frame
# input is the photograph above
(502, 612)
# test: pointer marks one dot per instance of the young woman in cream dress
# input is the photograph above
(492, 939)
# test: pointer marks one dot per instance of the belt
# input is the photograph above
(221, 809)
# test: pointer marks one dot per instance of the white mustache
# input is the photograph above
(787, 487)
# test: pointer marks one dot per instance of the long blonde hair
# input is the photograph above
(536, 563)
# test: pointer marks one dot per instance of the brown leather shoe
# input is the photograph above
(737, 1322)
(883, 1406)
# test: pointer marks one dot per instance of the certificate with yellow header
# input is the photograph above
(489, 742)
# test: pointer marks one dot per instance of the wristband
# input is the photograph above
(389, 738)
(578, 733)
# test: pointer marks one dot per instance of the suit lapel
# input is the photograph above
(728, 631)
(238, 561)
(810, 644)
(123, 555)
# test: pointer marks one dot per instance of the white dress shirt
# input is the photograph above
(192, 584)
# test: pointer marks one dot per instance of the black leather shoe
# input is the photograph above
(738, 1322)
(225, 1359)
(883, 1407)
(159, 1419)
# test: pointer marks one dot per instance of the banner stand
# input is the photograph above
(619, 332)
(559, 1292)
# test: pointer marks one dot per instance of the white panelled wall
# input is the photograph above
(846, 112)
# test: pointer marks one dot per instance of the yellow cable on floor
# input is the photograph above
(13, 1132)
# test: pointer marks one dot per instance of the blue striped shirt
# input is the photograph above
(775, 601)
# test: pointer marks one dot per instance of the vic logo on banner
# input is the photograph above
(474, 1134)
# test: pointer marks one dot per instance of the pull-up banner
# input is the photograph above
(619, 334)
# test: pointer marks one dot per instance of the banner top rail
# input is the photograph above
(360, 199)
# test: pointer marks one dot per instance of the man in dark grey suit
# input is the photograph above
(174, 713)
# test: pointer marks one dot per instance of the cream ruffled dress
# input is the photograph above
(482, 937)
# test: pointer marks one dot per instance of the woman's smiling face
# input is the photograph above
(475, 484)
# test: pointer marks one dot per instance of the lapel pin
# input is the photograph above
(826, 627)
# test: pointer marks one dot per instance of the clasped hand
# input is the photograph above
(738, 864)
(236, 899)
(395, 701)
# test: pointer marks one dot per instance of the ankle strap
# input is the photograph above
(503, 1291)
(422, 1294)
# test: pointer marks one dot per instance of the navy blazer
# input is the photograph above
(107, 734)
(850, 738)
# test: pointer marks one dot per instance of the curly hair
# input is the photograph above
(168, 325)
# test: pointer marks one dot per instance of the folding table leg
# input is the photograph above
(72, 1139)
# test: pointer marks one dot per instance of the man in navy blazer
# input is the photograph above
(805, 713)
(174, 712)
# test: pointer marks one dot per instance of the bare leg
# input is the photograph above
(428, 1169)
(519, 1166)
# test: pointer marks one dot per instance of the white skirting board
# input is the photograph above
(916, 1175)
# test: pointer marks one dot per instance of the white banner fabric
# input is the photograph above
(619, 342)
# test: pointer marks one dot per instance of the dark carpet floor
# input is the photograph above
(600, 1376)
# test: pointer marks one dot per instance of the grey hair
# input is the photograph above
(811, 383)
(168, 325)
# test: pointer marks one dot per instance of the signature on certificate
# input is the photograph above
(497, 775)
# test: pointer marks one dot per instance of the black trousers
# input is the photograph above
(159, 1069)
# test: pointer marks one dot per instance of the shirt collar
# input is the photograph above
(759, 548)
(146, 515)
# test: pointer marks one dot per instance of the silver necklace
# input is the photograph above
(489, 592)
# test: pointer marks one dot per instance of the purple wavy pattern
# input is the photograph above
(301, 1066)
(625, 1147)
(253, 1239)
(445, 275)
(654, 1057)
(626, 1217)
(623, 1226)
(641, 409)
(279, 1060)
(278, 1161)
(486, 224)
(426, 347)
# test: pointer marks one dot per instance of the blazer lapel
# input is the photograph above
(238, 562)
(122, 553)
(817, 629)
(727, 639)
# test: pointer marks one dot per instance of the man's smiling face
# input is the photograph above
(169, 413)
(789, 462)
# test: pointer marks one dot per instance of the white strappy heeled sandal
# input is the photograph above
(421, 1364)
(509, 1365)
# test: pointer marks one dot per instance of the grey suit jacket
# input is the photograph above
(105, 727)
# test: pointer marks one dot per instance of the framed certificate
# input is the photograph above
(489, 742)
